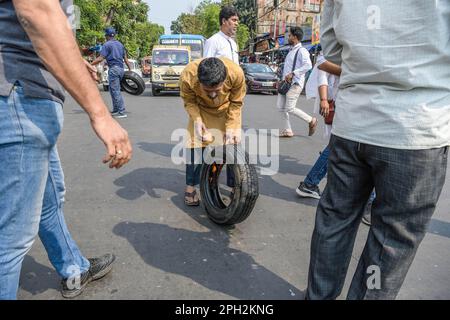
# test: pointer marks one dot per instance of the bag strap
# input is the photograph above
(295, 59)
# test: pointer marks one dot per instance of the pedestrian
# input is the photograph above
(391, 131)
(222, 44)
(38, 52)
(296, 65)
(322, 86)
(115, 55)
(213, 92)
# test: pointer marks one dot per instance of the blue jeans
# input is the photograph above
(32, 189)
(319, 170)
(115, 76)
(408, 184)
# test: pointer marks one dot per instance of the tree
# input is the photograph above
(205, 20)
(187, 23)
(128, 17)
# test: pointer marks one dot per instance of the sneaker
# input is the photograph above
(99, 268)
(308, 192)
(120, 115)
(114, 113)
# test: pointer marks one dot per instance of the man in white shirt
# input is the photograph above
(391, 131)
(222, 43)
(294, 72)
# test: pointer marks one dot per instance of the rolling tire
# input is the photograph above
(136, 86)
(246, 190)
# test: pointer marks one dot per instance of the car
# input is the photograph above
(260, 78)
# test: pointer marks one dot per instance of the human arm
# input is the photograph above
(324, 105)
(332, 49)
(191, 106)
(234, 113)
(46, 25)
(331, 68)
(125, 58)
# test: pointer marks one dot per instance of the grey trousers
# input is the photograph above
(408, 184)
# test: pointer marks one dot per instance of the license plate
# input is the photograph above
(171, 85)
(267, 84)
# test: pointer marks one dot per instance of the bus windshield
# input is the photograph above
(194, 42)
(170, 57)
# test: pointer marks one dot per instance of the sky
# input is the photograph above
(163, 12)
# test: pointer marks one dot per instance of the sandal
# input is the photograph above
(286, 133)
(313, 126)
(191, 195)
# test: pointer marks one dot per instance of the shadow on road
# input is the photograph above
(440, 228)
(207, 259)
(268, 185)
(36, 278)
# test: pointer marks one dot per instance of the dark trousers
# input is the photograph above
(193, 168)
(408, 185)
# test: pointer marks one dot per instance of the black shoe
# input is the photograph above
(99, 268)
(308, 192)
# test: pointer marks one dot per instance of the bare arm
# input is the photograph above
(125, 58)
(98, 60)
(331, 68)
(46, 25)
(324, 105)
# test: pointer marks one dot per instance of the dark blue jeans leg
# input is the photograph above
(194, 166)
(115, 78)
(319, 170)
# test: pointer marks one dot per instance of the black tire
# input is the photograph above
(246, 190)
(155, 92)
(132, 83)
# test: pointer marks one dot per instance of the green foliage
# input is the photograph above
(242, 36)
(128, 17)
(186, 23)
(205, 20)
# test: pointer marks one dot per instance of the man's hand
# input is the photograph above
(92, 70)
(202, 132)
(46, 25)
(289, 77)
(232, 137)
(324, 108)
(116, 141)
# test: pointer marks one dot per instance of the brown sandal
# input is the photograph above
(191, 195)
(313, 126)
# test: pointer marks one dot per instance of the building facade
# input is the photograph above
(276, 20)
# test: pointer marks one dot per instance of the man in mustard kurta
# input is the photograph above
(213, 92)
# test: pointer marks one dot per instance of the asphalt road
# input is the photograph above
(167, 251)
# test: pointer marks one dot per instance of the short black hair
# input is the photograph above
(226, 13)
(297, 32)
(212, 72)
